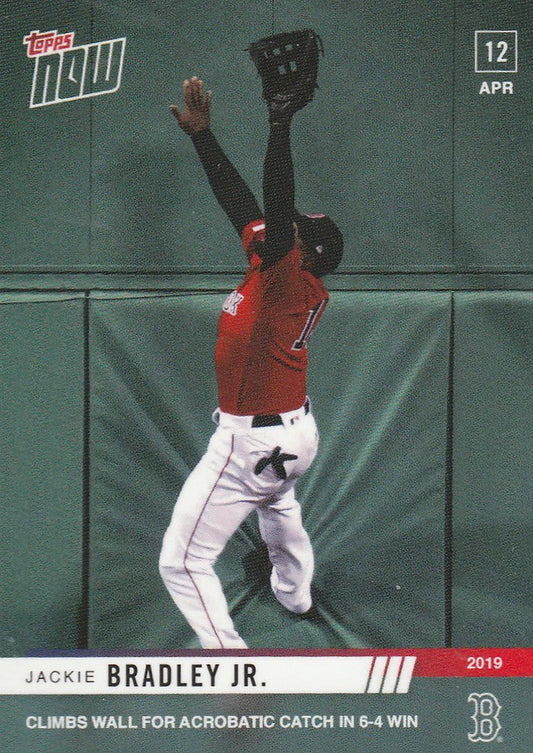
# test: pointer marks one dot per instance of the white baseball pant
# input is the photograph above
(240, 472)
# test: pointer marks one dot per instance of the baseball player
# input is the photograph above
(266, 436)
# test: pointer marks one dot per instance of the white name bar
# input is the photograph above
(203, 675)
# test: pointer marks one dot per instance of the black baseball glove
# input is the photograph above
(288, 66)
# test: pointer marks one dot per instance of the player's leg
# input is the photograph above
(290, 552)
(204, 518)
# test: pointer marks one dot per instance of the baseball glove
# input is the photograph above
(288, 66)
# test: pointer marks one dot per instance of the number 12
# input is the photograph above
(502, 46)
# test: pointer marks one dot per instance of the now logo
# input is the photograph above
(64, 73)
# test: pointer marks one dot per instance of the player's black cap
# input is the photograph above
(323, 239)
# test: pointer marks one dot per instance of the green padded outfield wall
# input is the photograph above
(373, 504)
(421, 170)
(114, 261)
(492, 469)
(41, 473)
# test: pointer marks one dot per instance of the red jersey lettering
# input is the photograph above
(264, 326)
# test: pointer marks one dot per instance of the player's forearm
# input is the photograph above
(229, 188)
(278, 194)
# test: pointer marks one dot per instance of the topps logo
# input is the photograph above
(64, 73)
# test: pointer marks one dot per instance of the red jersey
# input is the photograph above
(261, 349)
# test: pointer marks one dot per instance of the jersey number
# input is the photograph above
(314, 313)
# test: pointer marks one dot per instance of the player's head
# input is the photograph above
(322, 240)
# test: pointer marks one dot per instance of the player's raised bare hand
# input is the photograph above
(195, 115)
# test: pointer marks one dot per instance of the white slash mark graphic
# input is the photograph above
(406, 674)
(391, 676)
(378, 671)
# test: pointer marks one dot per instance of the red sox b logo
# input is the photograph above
(486, 722)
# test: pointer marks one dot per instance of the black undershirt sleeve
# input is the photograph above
(278, 195)
(229, 188)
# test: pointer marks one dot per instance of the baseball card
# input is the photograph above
(265, 366)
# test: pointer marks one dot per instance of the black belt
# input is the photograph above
(275, 419)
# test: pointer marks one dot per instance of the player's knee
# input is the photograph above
(177, 564)
(171, 563)
(166, 570)
(301, 544)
